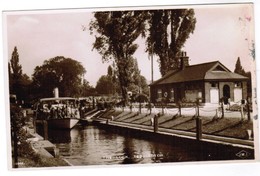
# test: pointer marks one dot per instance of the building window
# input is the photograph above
(237, 84)
(214, 84)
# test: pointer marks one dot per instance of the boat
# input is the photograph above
(60, 113)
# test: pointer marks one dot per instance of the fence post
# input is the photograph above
(198, 106)
(198, 129)
(222, 109)
(198, 109)
(242, 111)
(45, 129)
(179, 105)
(162, 107)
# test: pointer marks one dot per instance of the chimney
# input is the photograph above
(184, 60)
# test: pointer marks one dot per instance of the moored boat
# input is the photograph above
(61, 112)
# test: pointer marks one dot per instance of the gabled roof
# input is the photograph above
(206, 71)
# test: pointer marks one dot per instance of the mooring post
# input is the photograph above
(155, 124)
(198, 128)
(45, 129)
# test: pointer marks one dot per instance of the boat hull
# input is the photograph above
(65, 123)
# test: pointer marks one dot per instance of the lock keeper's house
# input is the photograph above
(206, 82)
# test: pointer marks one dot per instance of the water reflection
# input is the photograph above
(59, 136)
(91, 145)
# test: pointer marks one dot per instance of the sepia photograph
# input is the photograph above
(147, 85)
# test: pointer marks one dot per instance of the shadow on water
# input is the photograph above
(56, 135)
(59, 136)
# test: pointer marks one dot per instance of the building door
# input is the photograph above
(226, 93)
(237, 94)
(214, 95)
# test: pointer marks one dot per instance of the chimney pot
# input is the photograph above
(184, 60)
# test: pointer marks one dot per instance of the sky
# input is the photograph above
(222, 32)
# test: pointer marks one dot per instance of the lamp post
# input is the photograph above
(151, 55)
(140, 106)
(152, 62)
(139, 92)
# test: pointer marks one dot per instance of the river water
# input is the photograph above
(92, 145)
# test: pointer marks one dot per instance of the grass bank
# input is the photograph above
(27, 156)
(227, 127)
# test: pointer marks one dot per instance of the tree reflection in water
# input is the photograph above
(91, 145)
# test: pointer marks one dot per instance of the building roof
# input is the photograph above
(205, 71)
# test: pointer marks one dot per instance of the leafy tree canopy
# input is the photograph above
(64, 73)
(116, 32)
(105, 85)
(19, 83)
(168, 32)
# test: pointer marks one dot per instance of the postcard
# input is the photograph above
(131, 85)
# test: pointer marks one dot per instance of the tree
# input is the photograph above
(61, 72)
(117, 32)
(105, 85)
(249, 83)
(137, 81)
(239, 69)
(86, 89)
(19, 83)
(144, 85)
(110, 71)
(179, 23)
(15, 73)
